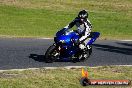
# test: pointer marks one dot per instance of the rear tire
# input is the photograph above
(86, 54)
(49, 55)
(90, 51)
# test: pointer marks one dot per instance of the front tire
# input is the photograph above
(50, 54)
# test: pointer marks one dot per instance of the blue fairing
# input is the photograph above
(65, 39)
(68, 49)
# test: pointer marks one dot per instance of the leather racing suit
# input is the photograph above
(83, 29)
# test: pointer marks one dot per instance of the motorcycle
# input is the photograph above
(66, 49)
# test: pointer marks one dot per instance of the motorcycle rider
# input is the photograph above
(83, 29)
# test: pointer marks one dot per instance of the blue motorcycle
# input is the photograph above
(65, 47)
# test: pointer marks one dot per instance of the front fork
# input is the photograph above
(58, 48)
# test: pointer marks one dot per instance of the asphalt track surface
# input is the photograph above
(21, 53)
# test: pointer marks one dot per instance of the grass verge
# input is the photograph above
(43, 18)
(62, 78)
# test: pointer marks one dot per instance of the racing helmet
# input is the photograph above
(83, 14)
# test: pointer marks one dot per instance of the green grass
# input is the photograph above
(62, 78)
(42, 18)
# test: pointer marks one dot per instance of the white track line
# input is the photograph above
(66, 67)
(126, 40)
(44, 38)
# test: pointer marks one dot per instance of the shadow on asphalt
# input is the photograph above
(125, 44)
(36, 57)
(40, 58)
(126, 51)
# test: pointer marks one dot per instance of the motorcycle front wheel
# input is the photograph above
(51, 54)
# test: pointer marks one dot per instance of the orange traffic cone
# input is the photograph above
(84, 81)
(84, 73)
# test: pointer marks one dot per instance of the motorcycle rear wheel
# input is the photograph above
(86, 54)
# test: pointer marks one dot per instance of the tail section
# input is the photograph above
(95, 35)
